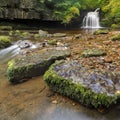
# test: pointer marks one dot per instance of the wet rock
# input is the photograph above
(59, 35)
(24, 44)
(93, 53)
(33, 64)
(92, 88)
(5, 41)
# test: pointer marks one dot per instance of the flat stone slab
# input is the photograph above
(92, 88)
(33, 64)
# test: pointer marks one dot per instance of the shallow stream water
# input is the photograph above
(31, 101)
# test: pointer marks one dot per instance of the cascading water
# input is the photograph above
(10, 52)
(91, 20)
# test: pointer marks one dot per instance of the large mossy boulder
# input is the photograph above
(92, 88)
(33, 64)
(5, 42)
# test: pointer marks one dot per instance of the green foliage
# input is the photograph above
(112, 11)
(66, 10)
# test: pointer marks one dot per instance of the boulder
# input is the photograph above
(92, 88)
(33, 64)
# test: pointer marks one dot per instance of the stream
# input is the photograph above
(33, 100)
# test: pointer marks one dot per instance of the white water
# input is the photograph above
(10, 52)
(91, 20)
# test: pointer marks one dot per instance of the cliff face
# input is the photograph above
(25, 9)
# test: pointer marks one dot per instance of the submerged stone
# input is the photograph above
(92, 88)
(33, 64)
(93, 53)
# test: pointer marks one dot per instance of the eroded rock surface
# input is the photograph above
(33, 64)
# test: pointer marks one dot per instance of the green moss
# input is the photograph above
(25, 34)
(97, 32)
(93, 53)
(36, 36)
(77, 91)
(15, 33)
(116, 37)
(52, 42)
(5, 42)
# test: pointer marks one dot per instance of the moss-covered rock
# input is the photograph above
(52, 42)
(5, 27)
(94, 88)
(33, 64)
(116, 37)
(5, 42)
(97, 32)
(59, 34)
(93, 53)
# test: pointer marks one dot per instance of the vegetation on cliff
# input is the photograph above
(66, 11)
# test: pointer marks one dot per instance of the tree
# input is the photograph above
(112, 12)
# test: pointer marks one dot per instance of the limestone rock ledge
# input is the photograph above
(25, 9)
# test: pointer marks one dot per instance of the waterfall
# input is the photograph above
(91, 20)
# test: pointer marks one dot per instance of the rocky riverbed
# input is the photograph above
(33, 100)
